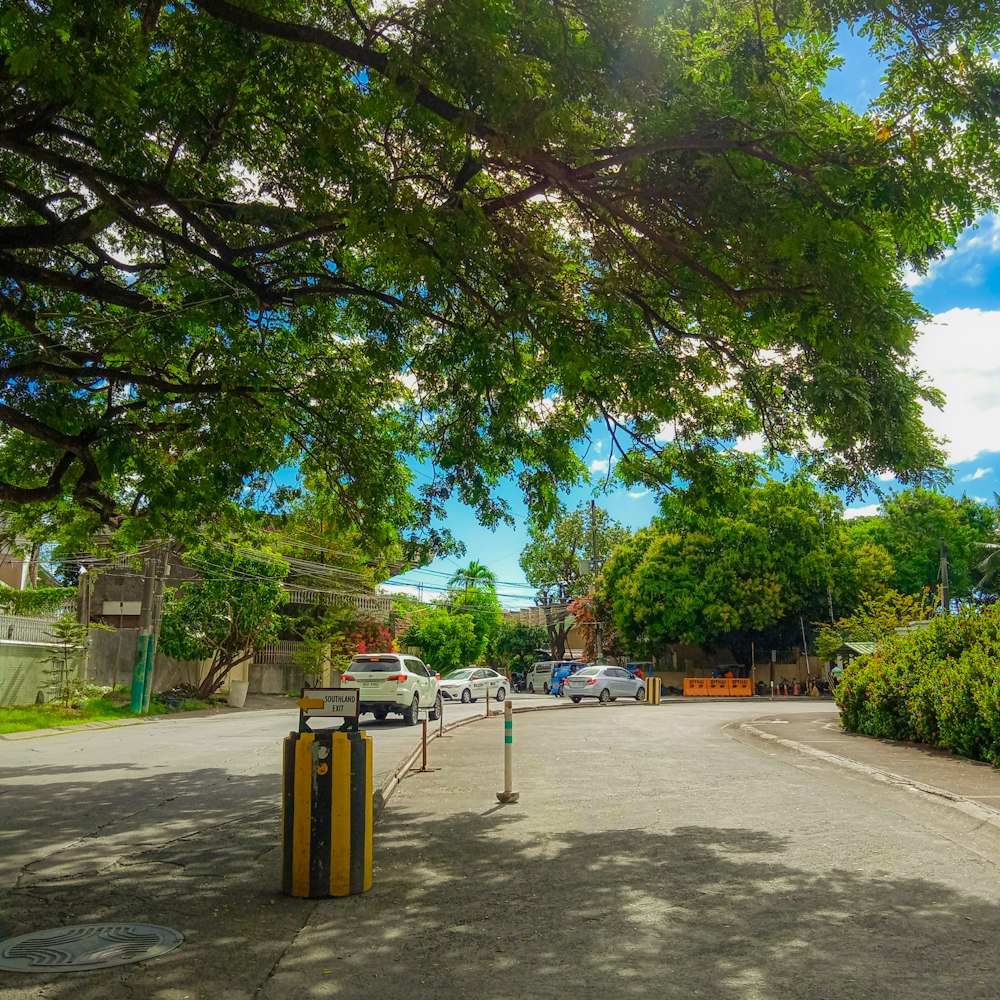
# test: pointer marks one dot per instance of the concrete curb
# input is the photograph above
(41, 734)
(971, 807)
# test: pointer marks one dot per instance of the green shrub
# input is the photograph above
(940, 685)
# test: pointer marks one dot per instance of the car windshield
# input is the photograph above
(459, 675)
(376, 665)
(588, 672)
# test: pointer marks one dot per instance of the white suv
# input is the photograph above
(394, 682)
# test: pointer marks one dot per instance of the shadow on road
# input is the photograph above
(464, 907)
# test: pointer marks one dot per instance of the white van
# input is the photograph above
(538, 679)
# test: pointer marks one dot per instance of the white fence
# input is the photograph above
(282, 652)
(370, 603)
(22, 628)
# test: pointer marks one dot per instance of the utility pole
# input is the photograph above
(145, 632)
(943, 574)
(598, 626)
(154, 631)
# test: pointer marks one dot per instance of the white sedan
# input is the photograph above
(472, 683)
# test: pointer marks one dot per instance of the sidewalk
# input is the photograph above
(972, 785)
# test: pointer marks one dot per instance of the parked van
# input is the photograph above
(538, 679)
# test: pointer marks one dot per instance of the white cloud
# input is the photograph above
(980, 473)
(603, 465)
(852, 512)
(598, 447)
(665, 433)
(638, 496)
(956, 349)
(885, 477)
(752, 445)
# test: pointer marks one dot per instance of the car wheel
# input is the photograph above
(575, 699)
(501, 694)
(531, 689)
(605, 696)
(412, 714)
(438, 709)
(466, 696)
(380, 714)
(640, 695)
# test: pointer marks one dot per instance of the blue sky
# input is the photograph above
(955, 349)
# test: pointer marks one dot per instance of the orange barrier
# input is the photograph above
(718, 687)
(696, 686)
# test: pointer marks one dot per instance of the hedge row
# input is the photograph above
(940, 686)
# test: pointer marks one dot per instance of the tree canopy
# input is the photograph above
(236, 236)
(911, 527)
(559, 562)
(446, 641)
(779, 553)
(224, 615)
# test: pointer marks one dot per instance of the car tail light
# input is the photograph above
(347, 677)
(396, 677)
(592, 680)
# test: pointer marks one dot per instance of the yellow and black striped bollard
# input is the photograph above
(652, 690)
(326, 840)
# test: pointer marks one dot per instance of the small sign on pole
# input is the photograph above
(329, 703)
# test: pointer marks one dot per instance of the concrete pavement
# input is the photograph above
(671, 851)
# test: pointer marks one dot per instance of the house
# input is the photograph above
(116, 595)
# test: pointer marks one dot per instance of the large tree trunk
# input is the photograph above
(221, 667)
(556, 629)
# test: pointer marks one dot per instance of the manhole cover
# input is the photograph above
(83, 947)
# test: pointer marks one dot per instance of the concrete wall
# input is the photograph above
(112, 655)
(112, 660)
(22, 666)
(274, 678)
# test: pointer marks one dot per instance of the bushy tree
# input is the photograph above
(875, 619)
(558, 561)
(751, 566)
(446, 641)
(515, 645)
(472, 591)
(911, 527)
(338, 634)
(233, 607)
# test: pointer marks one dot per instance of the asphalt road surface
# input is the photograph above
(655, 852)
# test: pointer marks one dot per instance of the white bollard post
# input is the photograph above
(508, 795)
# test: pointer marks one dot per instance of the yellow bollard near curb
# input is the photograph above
(652, 690)
(326, 814)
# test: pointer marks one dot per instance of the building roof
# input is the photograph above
(858, 648)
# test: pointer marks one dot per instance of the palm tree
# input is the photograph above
(475, 575)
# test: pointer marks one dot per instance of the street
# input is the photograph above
(655, 851)
(96, 794)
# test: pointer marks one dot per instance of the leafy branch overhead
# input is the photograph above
(237, 236)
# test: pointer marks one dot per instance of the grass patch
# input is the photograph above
(21, 718)
(103, 707)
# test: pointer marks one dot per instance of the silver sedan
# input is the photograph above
(605, 683)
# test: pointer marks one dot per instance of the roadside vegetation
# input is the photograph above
(938, 685)
(96, 704)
